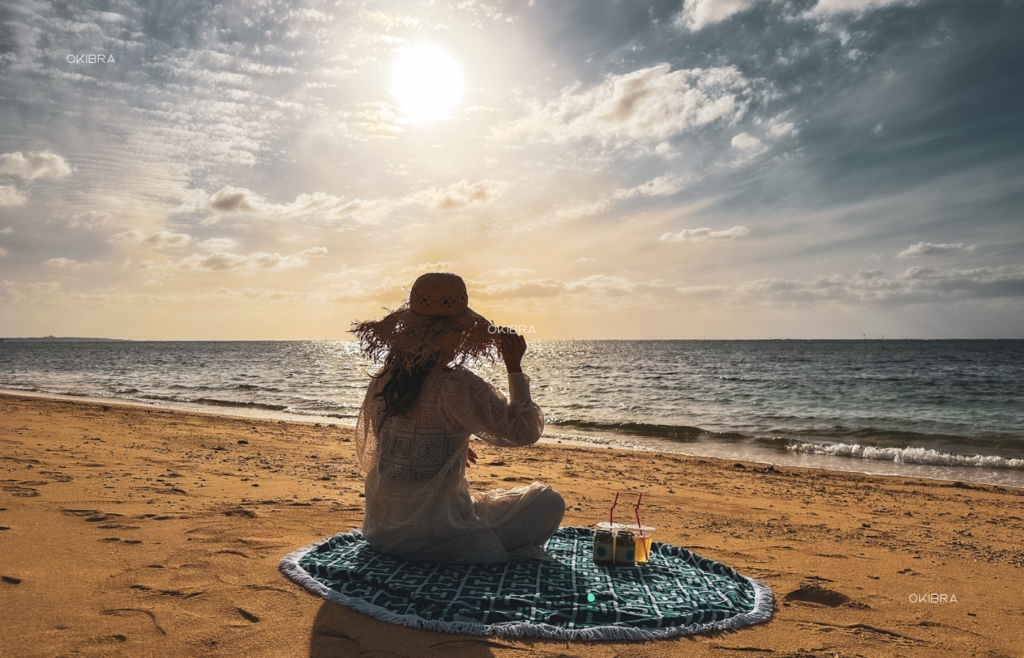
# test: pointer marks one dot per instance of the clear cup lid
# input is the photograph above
(630, 527)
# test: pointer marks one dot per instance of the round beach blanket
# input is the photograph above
(676, 593)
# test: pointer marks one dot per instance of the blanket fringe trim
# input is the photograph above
(762, 612)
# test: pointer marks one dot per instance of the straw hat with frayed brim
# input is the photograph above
(434, 324)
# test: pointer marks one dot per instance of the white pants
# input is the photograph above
(523, 533)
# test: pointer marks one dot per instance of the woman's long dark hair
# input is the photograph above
(403, 386)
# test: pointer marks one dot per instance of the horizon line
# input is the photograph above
(862, 338)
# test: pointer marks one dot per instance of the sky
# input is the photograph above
(716, 169)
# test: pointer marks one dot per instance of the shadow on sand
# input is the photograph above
(338, 631)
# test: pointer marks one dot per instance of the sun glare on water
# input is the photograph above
(426, 81)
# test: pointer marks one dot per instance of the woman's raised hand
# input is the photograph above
(512, 347)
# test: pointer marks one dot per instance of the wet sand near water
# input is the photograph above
(130, 531)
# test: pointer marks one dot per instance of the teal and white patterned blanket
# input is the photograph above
(676, 593)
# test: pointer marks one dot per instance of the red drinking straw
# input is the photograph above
(636, 510)
(611, 517)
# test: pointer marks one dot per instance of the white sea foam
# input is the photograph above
(906, 455)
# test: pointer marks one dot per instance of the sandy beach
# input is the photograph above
(133, 531)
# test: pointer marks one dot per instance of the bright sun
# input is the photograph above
(426, 81)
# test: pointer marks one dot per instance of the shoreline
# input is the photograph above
(135, 531)
(835, 464)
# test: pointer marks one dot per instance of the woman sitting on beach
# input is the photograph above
(414, 427)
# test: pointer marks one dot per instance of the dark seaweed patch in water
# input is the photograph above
(681, 433)
(247, 405)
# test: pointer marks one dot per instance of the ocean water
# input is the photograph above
(950, 409)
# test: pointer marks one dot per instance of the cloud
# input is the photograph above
(932, 248)
(88, 219)
(422, 268)
(315, 252)
(666, 185)
(916, 285)
(392, 20)
(327, 208)
(508, 272)
(602, 286)
(10, 196)
(227, 261)
(233, 199)
(533, 288)
(460, 195)
(705, 235)
(857, 6)
(3, 252)
(158, 240)
(218, 244)
(70, 264)
(316, 207)
(648, 105)
(52, 293)
(863, 288)
(780, 128)
(34, 164)
(747, 143)
(698, 13)
(220, 260)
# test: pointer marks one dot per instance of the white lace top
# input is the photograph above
(418, 502)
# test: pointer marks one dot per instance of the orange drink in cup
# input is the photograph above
(643, 546)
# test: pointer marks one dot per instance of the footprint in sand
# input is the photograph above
(248, 513)
(80, 512)
(125, 611)
(863, 631)
(821, 596)
(59, 477)
(22, 492)
(119, 526)
(112, 540)
(102, 516)
(272, 592)
(174, 593)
